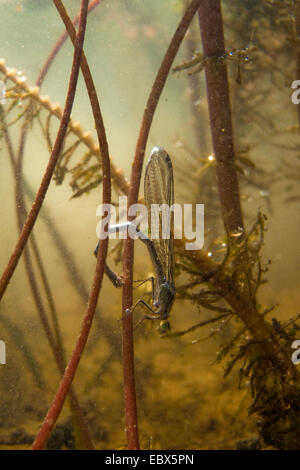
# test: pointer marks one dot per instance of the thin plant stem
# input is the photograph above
(71, 266)
(55, 345)
(58, 45)
(19, 339)
(49, 296)
(34, 211)
(21, 213)
(75, 128)
(127, 301)
(21, 203)
(128, 367)
(71, 368)
(90, 86)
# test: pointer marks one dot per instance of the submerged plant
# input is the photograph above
(226, 284)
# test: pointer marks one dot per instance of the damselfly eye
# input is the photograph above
(164, 326)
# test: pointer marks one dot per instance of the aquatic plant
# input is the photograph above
(231, 284)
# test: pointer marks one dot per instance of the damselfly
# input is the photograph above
(159, 199)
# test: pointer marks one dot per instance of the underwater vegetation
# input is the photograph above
(238, 141)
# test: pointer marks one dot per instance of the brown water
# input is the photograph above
(183, 400)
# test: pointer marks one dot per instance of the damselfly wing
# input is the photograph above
(159, 199)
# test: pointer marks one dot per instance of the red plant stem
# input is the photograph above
(56, 345)
(57, 46)
(56, 349)
(23, 135)
(71, 368)
(36, 295)
(37, 204)
(64, 386)
(211, 26)
(70, 265)
(89, 85)
(128, 348)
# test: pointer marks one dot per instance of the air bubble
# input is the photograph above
(2, 92)
(238, 232)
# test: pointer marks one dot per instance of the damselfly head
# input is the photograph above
(164, 327)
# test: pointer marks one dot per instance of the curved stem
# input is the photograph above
(71, 368)
(128, 350)
(32, 216)
(58, 45)
(91, 89)
(55, 346)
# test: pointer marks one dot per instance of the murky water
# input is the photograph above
(183, 400)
